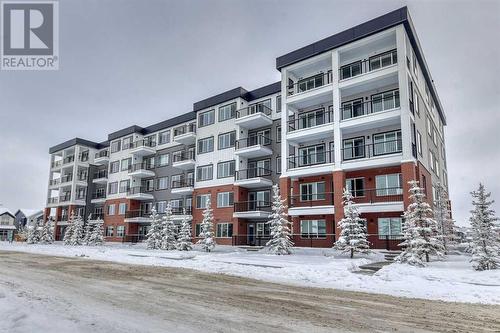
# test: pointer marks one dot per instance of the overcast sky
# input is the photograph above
(140, 62)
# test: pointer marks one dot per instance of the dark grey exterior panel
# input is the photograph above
(72, 142)
(220, 98)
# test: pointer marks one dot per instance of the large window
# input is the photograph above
(312, 155)
(120, 231)
(126, 162)
(204, 172)
(356, 186)
(389, 227)
(109, 231)
(312, 191)
(111, 209)
(352, 109)
(206, 118)
(350, 70)
(387, 143)
(313, 228)
(225, 169)
(385, 101)
(227, 140)
(278, 103)
(115, 146)
(127, 142)
(353, 148)
(227, 111)
(163, 159)
(114, 166)
(225, 199)
(113, 188)
(383, 60)
(124, 185)
(162, 183)
(313, 118)
(161, 207)
(122, 208)
(197, 230)
(201, 201)
(389, 184)
(164, 137)
(419, 143)
(224, 230)
(206, 145)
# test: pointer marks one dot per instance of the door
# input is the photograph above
(251, 234)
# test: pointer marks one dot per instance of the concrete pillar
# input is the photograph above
(338, 189)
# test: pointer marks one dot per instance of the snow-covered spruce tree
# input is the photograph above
(154, 235)
(87, 231)
(353, 238)
(169, 230)
(280, 242)
(485, 239)
(442, 215)
(207, 241)
(47, 232)
(78, 231)
(97, 233)
(184, 241)
(33, 236)
(419, 230)
(68, 232)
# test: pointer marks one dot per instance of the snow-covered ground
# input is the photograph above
(449, 280)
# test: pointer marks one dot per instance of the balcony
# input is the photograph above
(100, 177)
(310, 126)
(140, 193)
(137, 216)
(54, 182)
(52, 201)
(253, 147)
(372, 150)
(66, 197)
(254, 116)
(185, 134)
(379, 200)
(101, 157)
(253, 178)
(98, 196)
(311, 163)
(56, 164)
(184, 160)
(309, 83)
(68, 159)
(141, 170)
(84, 156)
(252, 209)
(374, 63)
(179, 213)
(142, 147)
(182, 186)
(81, 178)
(311, 204)
(66, 179)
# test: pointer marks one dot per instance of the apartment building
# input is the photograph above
(356, 110)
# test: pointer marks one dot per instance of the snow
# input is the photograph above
(451, 279)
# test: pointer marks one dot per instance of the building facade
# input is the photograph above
(357, 110)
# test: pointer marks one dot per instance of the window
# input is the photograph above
(201, 201)
(312, 155)
(127, 142)
(163, 159)
(111, 209)
(432, 159)
(385, 101)
(387, 143)
(164, 137)
(312, 228)
(204, 172)
(278, 103)
(124, 186)
(227, 111)
(429, 126)
(114, 166)
(122, 208)
(353, 148)
(278, 134)
(415, 68)
(434, 137)
(313, 118)
(278, 164)
(383, 60)
(206, 145)
(126, 164)
(113, 188)
(115, 146)
(224, 230)
(161, 207)
(419, 143)
(352, 109)
(312, 191)
(225, 169)
(389, 226)
(356, 186)
(227, 140)
(148, 185)
(225, 199)
(176, 181)
(350, 70)
(162, 183)
(120, 231)
(415, 102)
(390, 184)
(197, 230)
(206, 118)
(109, 231)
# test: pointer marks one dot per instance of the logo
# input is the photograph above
(30, 33)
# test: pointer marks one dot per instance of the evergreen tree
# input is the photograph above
(169, 230)
(280, 242)
(485, 239)
(442, 215)
(68, 233)
(207, 234)
(353, 238)
(184, 242)
(33, 236)
(87, 231)
(97, 233)
(154, 235)
(419, 230)
(47, 233)
(78, 231)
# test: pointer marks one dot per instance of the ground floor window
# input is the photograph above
(224, 230)
(109, 231)
(263, 229)
(313, 228)
(197, 230)
(389, 226)
(120, 231)
(143, 230)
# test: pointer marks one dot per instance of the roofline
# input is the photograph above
(73, 142)
(363, 30)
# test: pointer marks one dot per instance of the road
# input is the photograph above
(95, 296)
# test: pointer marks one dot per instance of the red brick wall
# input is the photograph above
(314, 242)
(328, 179)
(119, 220)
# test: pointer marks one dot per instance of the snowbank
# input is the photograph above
(449, 280)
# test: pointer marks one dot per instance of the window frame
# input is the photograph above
(232, 140)
(200, 145)
(202, 167)
(202, 114)
(221, 196)
(224, 230)
(223, 164)
(318, 235)
(232, 112)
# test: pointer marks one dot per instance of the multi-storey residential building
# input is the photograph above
(357, 110)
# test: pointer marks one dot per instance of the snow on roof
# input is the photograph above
(30, 212)
(4, 210)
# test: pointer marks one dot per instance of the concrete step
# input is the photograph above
(375, 266)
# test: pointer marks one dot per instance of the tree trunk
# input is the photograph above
(352, 253)
(427, 257)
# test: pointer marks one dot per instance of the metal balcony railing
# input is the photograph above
(252, 206)
(69, 159)
(65, 197)
(84, 156)
(185, 129)
(67, 178)
(183, 156)
(253, 109)
(303, 160)
(359, 108)
(375, 195)
(310, 119)
(55, 181)
(140, 166)
(364, 66)
(309, 83)
(182, 183)
(311, 199)
(372, 149)
(53, 200)
(102, 153)
(99, 194)
(142, 143)
(56, 164)
(252, 173)
(139, 190)
(253, 140)
(101, 174)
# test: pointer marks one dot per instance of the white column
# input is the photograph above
(284, 123)
(337, 137)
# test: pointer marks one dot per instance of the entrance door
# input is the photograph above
(251, 234)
